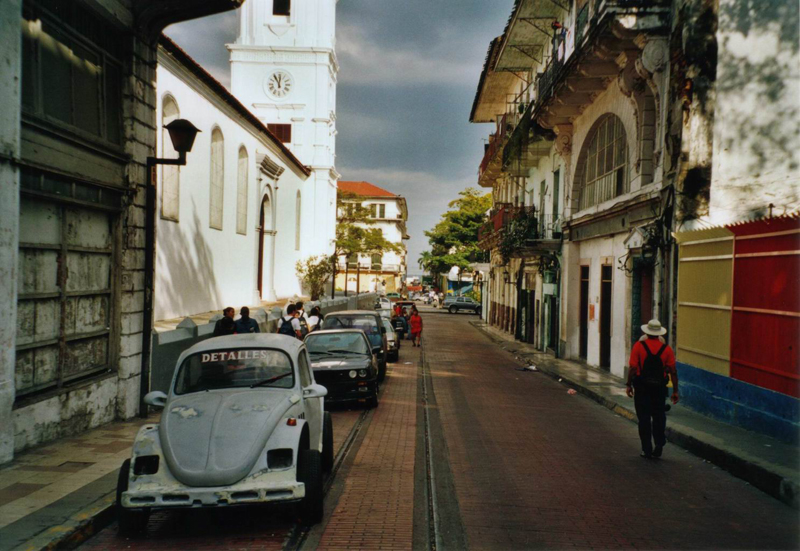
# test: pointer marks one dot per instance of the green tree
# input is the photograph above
(314, 272)
(354, 234)
(454, 239)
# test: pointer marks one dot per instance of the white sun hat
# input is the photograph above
(654, 328)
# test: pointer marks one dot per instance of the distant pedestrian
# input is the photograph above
(400, 326)
(652, 364)
(225, 325)
(246, 324)
(315, 319)
(415, 322)
(290, 325)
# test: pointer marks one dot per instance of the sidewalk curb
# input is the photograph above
(77, 529)
(759, 476)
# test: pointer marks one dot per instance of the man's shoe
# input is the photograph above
(657, 451)
(645, 455)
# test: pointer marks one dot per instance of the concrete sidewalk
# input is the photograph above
(60, 493)
(768, 464)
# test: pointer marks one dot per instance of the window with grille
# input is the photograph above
(281, 7)
(241, 193)
(72, 69)
(170, 174)
(282, 131)
(217, 179)
(377, 261)
(297, 222)
(604, 169)
(65, 304)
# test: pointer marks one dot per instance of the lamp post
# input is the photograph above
(182, 134)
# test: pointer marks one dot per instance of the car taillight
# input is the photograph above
(291, 421)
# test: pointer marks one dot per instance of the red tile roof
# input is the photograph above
(182, 57)
(365, 189)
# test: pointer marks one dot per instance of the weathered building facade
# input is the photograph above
(77, 127)
(651, 121)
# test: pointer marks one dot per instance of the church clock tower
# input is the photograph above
(283, 69)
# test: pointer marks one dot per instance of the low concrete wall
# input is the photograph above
(169, 345)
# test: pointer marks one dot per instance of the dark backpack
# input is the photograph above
(286, 328)
(652, 372)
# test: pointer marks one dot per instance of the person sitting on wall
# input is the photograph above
(246, 324)
(225, 325)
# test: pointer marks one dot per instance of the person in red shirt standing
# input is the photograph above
(415, 321)
(652, 364)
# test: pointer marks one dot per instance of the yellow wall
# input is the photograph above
(704, 299)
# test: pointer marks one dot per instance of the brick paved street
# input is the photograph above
(518, 462)
(535, 467)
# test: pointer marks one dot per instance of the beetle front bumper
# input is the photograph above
(179, 496)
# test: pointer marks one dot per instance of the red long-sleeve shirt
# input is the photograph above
(638, 355)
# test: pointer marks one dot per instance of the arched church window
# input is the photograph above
(241, 192)
(297, 223)
(602, 171)
(170, 174)
(217, 178)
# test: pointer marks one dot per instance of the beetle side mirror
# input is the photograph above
(156, 399)
(315, 391)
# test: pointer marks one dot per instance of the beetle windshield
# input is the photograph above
(243, 367)
(337, 343)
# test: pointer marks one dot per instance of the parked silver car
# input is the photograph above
(243, 423)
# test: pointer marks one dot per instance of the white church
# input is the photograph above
(258, 192)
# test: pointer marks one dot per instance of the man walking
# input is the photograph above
(652, 364)
(246, 324)
(225, 325)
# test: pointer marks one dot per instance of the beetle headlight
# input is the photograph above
(353, 374)
(363, 372)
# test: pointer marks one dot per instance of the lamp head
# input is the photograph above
(182, 133)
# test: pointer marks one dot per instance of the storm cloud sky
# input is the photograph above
(409, 70)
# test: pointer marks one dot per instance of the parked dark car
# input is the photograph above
(372, 326)
(464, 304)
(343, 363)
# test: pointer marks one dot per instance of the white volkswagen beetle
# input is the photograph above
(244, 423)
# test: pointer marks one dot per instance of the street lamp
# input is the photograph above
(182, 134)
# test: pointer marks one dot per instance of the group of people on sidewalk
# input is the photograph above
(408, 324)
(294, 321)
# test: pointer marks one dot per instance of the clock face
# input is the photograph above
(279, 84)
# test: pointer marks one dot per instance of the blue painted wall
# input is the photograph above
(741, 404)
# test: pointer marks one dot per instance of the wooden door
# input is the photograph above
(583, 315)
(605, 317)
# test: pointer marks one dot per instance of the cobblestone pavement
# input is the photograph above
(536, 467)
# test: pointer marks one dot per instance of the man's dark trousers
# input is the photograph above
(649, 402)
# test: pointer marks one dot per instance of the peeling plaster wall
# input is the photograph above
(757, 125)
(114, 395)
(10, 70)
(67, 414)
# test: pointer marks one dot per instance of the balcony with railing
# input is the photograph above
(604, 31)
(543, 230)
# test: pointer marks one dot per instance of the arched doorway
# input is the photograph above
(266, 250)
